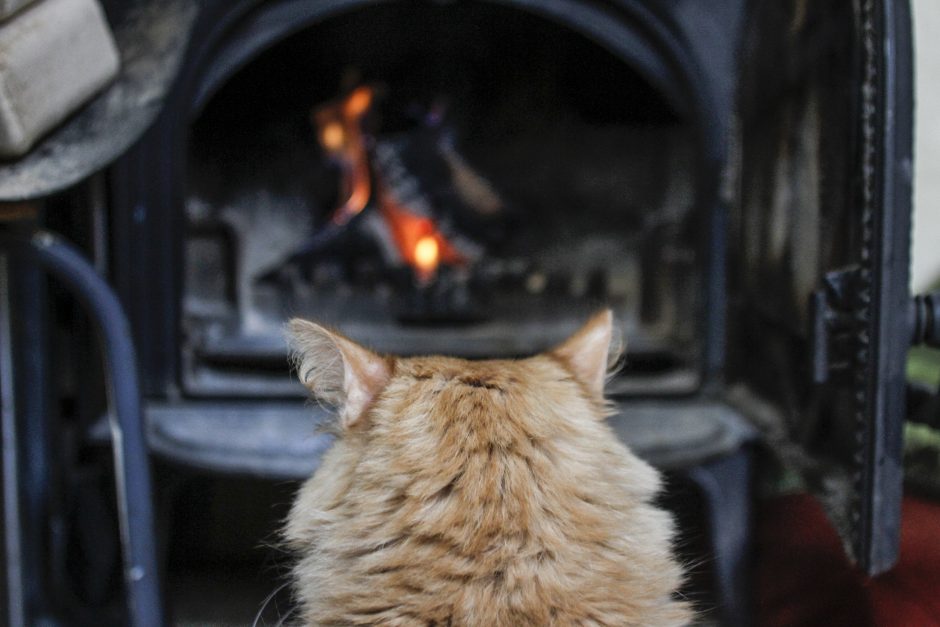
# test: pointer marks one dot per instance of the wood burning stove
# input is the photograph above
(474, 177)
(547, 173)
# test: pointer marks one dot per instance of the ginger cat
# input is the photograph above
(477, 493)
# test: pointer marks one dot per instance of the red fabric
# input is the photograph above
(910, 594)
(804, 579)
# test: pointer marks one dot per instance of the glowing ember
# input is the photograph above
(421, 244)
(427, 254)
(332, 136)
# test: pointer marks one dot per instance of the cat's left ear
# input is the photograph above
(336, 369)
(589, 353)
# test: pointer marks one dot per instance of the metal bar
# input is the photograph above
(26, 285)
(131, 461)
(887, 98)
(12, 531)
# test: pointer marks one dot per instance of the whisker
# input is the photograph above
(280, 623)
(267, 600)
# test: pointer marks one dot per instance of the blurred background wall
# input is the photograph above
(926, 252)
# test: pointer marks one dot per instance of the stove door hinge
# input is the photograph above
(923, 401)
(838, 314)
(925, 319)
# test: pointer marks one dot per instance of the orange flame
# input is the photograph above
(339, 126)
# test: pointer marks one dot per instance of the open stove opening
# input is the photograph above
(466, 179)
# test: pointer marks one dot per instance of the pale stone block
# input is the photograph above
(9, 7)
(925, 271)
(54, 55)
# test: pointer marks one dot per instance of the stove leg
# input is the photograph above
(726, 485)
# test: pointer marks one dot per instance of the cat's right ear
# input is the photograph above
(590, 351)
(336, 369)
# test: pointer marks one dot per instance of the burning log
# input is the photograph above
(427, 195)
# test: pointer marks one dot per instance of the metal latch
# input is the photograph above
(838, 312)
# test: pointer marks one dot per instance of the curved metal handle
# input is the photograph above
(131, 462)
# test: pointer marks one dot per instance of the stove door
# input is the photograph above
(819, 252)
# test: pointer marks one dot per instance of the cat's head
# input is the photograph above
(444, 436)
(364, 387)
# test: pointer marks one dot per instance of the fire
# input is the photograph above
(417, 238)
(339, 126)
(339, 129)
(427, 254)
(358, 102)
